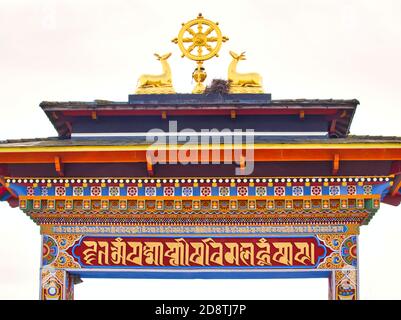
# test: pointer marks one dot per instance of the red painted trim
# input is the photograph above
(394, 201)
(395, 167)
(2, 191)
(396, 186)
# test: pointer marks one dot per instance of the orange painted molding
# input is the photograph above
(336, 164)
(260, 155)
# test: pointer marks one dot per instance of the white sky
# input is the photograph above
(86, 50)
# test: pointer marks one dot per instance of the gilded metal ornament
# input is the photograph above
(243, 82)
(203, 36)
(157, 84)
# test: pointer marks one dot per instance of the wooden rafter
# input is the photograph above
(4, 185)
(396, 186)
(333, 126)
(149, 165)
(336, 164)
(59, 166)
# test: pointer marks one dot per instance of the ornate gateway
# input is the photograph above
(219, 185)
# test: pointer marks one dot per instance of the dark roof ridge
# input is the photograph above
(127, 140)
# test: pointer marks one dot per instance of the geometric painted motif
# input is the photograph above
(316, 190)
(78, 191)
(349, 251)
(260, 191)
(257, 187)
(279, 191)
(297, 191)
(367, 189)
(150, 191)
(96, 191)
(50, 250)
(224, 191)
(132, 191)
(346, 284)
(242, 191)
(60, 191)
(168, 191)
(351, 190)
(52, 284)
(334, 190)
(205, 191)
(187, 191)
(114, 191)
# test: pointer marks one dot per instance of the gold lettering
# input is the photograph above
(263, 256)
(136, 254)
(247, 253)
(118, 251)
(198, 256)
(215, 257)
(284, 253)
(232, 256)
(306, 252)
(90, 254)
(103, 256)
(178, 252)
(154, 252)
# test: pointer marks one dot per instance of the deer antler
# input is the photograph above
(166, 56)
(234, 55)
(157, 56)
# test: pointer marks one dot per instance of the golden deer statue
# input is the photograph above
(243, 82)
(161, 83)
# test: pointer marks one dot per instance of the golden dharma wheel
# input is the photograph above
(200, 39)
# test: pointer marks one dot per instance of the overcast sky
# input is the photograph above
(87, 50)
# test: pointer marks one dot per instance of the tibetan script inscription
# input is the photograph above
(195, 252)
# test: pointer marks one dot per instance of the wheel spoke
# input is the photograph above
(191, 47)
(209, 48)
(200, 51)
(192, 32)
(208, 31)
(200, 27)
(187, 39)
(212, 39)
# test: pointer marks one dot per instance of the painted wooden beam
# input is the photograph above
(94, 115)
(69, 126)
(83, 155)
(396, 186)
(333, 126)
(242, 164)
(336, 164)
(59, 166)
(149, 166)
(4, 184)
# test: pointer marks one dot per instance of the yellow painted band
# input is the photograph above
(204, 147)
